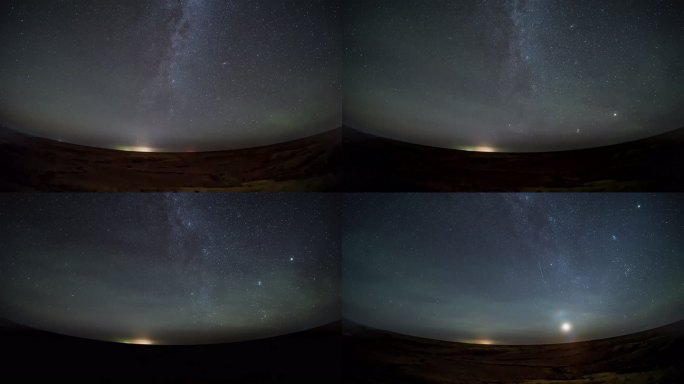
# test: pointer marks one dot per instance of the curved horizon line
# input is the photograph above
(357, 323)
(4, 322)
(502, 152)
(152, 150)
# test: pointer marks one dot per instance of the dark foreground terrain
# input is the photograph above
(374, 356)
(37, 164)
(29, 355)
(373, 163)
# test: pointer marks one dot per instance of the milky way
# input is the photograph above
(170, 75)
(172, 268)
(514, 75)
(513, 268)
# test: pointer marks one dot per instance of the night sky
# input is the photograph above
(514, 75)
(170, 268)
(513, 268)
(171, 75)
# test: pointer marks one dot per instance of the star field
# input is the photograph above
(170, 75)
(170, 268)
(513, 75)
(513, 268)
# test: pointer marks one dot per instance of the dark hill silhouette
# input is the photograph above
(376, 356)
(30, 355)
(372, 163)
(38, 164)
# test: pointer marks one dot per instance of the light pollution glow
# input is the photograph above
(139, 341)
(481, 148)
(136, 149)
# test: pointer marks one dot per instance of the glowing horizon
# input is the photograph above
(137, 149)
(481, 148)
(140, 341)
(479, 341)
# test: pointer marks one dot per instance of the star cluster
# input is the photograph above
(513, 268)
(170, 75)
(513, 75)
(170, 268)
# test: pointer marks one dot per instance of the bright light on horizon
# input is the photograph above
(139, 341)
(482, 148)
(143, 149)
(136, 149)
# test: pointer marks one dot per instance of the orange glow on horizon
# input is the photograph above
(484, 149)
(142, 149)
(136, 149)
(481, 148)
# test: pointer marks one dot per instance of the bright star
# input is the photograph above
(615, 114)
(566, 327)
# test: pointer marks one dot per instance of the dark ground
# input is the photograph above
(37, 164)
(30, 355)
(371, 163)
(341, 160)
(375, 356)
